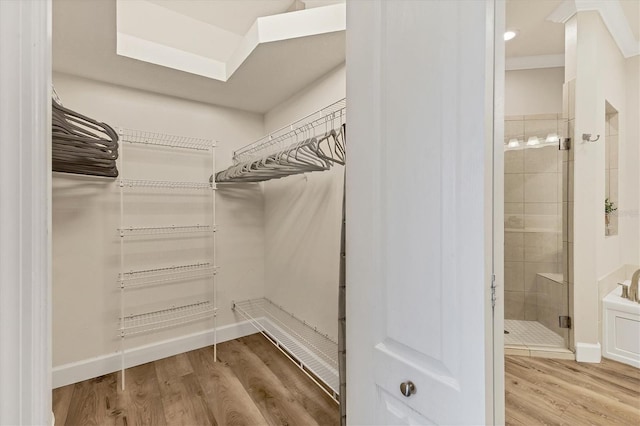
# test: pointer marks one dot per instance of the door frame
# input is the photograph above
(25, 212)
(25, 51)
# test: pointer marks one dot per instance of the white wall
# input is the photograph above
(601, 74)
(629, 186)
(535, 91)
(86, 216)
(303, 215)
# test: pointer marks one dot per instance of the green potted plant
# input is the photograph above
(609, 207)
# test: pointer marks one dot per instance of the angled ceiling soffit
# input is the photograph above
(151, 33)
(612, 15)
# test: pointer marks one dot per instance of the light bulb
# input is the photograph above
(513, 143)
(510, 35)
(533, 140)
(552, 138)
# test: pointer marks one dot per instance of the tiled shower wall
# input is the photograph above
(533, 211)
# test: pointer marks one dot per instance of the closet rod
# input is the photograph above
(272, 142)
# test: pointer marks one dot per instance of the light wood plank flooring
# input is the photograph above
(557, 392)
(252, 384)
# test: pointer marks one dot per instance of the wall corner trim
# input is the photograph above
(588, 352)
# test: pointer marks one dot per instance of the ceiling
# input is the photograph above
(231, 15)
(537, 36)
(84, 44)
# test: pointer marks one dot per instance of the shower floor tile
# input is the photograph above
(531, 333)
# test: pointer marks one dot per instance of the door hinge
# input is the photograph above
(564, 321)
(564, 144)
(493, 290)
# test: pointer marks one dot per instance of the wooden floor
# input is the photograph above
(252, 384)
(557, 392)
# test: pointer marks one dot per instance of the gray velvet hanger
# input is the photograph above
(82, 145)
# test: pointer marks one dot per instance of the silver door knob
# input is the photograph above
(407, 388)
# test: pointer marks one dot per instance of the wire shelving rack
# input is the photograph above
(314, 352)
(172, 316)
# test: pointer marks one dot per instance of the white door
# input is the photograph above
(419, 211)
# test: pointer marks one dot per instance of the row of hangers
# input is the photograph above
(309, 154)
(82, 145)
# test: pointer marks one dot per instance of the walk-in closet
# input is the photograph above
(198, 210)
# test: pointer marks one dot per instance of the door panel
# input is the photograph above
(419, 211)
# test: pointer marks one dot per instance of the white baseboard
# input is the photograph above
(588, 352)
(94, 367)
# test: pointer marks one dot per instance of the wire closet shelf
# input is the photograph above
(133, 231)
(323, 120)
(168, 141)
(165, 318)
(310, 349)
(167, 274)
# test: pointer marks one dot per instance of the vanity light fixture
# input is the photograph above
(533, 140)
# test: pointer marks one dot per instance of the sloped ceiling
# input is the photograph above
(85, 42)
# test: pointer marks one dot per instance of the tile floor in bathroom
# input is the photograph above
(531, 334)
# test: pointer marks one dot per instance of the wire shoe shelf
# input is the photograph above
(168, 274)
(165, 318)
(164, 184)
(132, 231)
(311, 349)
(169, 141)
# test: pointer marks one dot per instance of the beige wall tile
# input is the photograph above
(514, 161)
(513, 208)
(514, 188)
(549, 223)
(541, 247)
(513, 247)
(530, 307)
(541, 208)
(532, 269)
(552, 116)
(514, 221)
(541, 160)
(514, 305)
(513, 129)
(514, 276)
(540, 188)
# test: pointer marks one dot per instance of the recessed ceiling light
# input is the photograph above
(510, 34)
